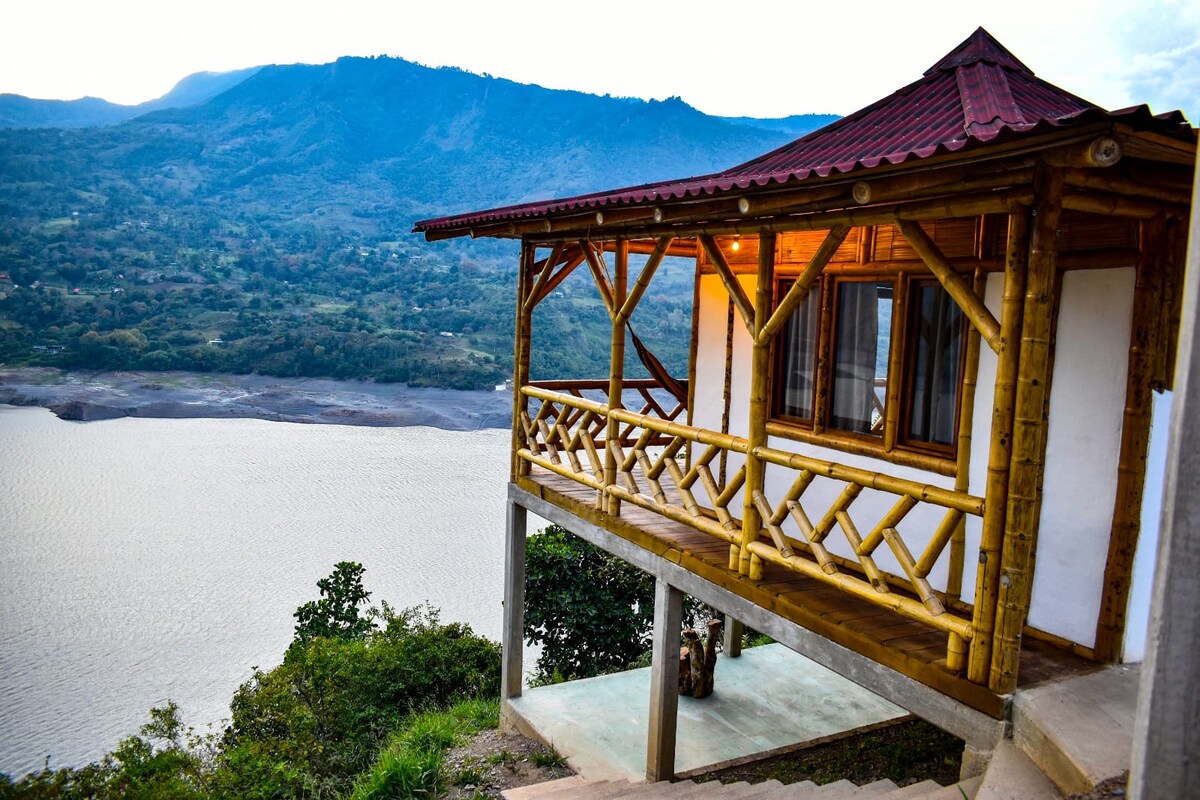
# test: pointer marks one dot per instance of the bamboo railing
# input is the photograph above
(566, 435)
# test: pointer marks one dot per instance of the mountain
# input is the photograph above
(266, 228)
(17, 111)
(794, 126)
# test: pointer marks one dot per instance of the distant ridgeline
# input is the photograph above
(259, 221)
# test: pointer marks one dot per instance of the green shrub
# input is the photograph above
(590, 612)
(400, 775)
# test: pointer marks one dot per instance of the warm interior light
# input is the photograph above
(737, 245)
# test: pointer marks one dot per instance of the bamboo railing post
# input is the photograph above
(759, 366)
(1135, 440)
(521, 340)
(987, 576)
(966, 422)
(1029, 433)
(616, 374)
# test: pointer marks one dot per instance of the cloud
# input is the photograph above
(1167, 80)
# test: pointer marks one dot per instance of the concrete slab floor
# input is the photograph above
(769, 699)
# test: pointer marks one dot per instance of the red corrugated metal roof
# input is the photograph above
(977, 94)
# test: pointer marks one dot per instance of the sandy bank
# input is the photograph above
(88, 396)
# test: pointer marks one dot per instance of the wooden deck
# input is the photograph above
(908, 646)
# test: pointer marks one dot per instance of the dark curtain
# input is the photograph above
(800, 358)
(935, 373)
(860, 355)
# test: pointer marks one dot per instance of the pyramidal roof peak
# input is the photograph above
(979, 46)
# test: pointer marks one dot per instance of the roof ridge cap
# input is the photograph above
(979, 46)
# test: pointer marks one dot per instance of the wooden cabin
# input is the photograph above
(932, 348)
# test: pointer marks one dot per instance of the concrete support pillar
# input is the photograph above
(512, 637)
(732, 646)
(664, 682)
(1165, 761)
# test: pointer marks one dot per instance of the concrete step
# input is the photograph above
(1079, 730)
(963, 790)
(1012, 776)
(876, 789)
(914, 791)
(542, 791)
(838, 790)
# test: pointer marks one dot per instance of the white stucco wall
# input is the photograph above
(1079, 488)
(1087, 400)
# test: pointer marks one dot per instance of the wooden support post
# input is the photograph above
(962, 469)
(955, 284)
(664, 682)
(1164, 763)
(512, 636)
(1135, 440)
(737, 294)
(734, 630)
(987, 576)
(760, 363)
(521, 342)
(1029, 433)
(616, 374)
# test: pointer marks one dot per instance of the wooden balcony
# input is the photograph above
(650, 479)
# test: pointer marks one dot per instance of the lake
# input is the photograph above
(145, 560)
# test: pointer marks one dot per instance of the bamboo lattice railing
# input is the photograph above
(566, 436)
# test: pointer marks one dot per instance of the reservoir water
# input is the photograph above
(143, 560)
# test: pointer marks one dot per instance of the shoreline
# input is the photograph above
(94, 396)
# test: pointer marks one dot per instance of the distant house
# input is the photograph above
(933, 350)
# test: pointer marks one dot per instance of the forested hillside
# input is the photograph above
(267, 228)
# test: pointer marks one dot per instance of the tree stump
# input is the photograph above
(697, 662)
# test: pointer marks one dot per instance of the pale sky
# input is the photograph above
(735, 57)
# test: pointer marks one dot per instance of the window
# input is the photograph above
(862, 335)
(855, 331)
(798, 366)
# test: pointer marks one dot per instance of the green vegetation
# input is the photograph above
(590, 612)
(364, 705)
(268, 229)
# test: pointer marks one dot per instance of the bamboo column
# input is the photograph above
(1135, 440)
(1029, 433)
(987, 576)
(616, 374)
(521, 341)
(962, 466)
(760, 363)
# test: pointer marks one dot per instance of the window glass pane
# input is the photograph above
(860, 358)
(798, 363)
(937, 335)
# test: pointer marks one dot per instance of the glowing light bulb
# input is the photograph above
(735, 246)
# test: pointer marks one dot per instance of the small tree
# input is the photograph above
(337, 614)
(591, 612)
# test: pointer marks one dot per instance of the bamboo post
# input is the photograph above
(616, 374)
(955, 284)
(759, 366)
(1029, 434)
(891, 411)
(962, 470)
(987, 576)
(521, 340)
(1135, 439)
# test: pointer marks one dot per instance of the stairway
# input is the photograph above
(576, 788)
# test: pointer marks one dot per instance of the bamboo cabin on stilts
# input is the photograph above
(921, 455)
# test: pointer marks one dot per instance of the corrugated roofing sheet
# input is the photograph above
(977, 94)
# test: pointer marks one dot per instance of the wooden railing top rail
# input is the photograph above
(595, 383)
(947, 498)
(582, 403)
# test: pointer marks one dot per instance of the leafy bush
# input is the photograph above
(347, 710)
(591, 612)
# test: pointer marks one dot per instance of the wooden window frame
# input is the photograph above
(819, 426)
